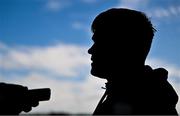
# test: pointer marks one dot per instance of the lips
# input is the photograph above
(92, 59)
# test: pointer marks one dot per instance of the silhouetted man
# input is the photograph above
(122, 39)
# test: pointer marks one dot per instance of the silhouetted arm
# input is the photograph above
(14, 99)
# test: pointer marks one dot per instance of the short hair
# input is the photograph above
(125, 20)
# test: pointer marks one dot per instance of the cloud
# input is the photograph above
(164, 12)
(2, 46)
(174, 71)
(59, 59)
(79, 26)
(65, 58)
(56, 5)
(155, 12)
(134, 4)
(66, 96)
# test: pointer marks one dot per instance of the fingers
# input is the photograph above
(16, 98)
(35, 104)
(27, 108)
(28, 104)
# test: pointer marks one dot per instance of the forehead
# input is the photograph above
(100, 35)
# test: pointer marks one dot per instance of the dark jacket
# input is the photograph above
(153, 95)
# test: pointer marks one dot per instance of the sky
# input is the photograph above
(44, 43)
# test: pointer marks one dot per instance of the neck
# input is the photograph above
(125, 80)
(128, 73)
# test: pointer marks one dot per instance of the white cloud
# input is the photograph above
(60, 59)
(157, 12)
(2, 46)
(78, 25)
(134, 4)
(66, 96)
(174, 71)
(164, 12)
(63, 60)
(56, 5)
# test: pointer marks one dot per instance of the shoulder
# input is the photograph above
(158, 81)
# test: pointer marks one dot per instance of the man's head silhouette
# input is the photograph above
(122, 40)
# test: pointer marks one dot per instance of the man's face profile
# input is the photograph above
(122, 39)
(98, 55)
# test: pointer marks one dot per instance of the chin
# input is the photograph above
(93, 72)
(97, 73)
(98, 70)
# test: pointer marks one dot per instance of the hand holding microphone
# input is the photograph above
(17, 98)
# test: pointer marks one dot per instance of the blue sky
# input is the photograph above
(44, 22)
(46, 41)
